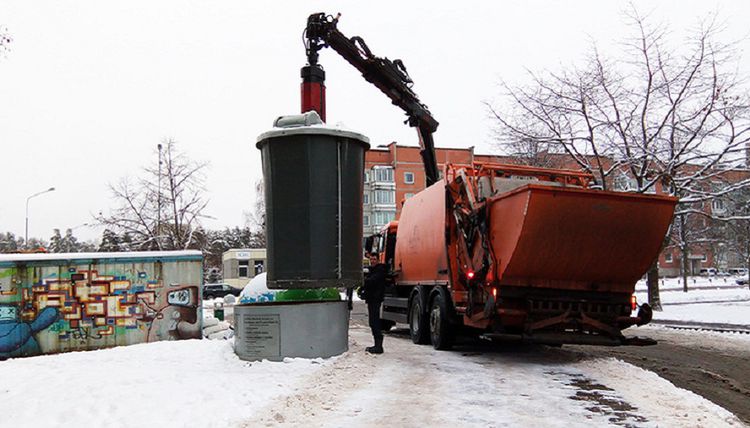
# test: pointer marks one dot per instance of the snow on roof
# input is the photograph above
(315, 129)
(46, 257)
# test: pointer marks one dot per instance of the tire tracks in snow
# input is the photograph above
(360, 389)
(320, 394)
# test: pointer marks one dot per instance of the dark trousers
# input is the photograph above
(373, 316)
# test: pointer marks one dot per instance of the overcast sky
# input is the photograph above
(90, 88)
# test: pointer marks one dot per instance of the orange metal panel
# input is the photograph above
(420, 247)
(577, 238)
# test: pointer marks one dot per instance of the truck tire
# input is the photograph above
(419, 323)
(441, 331)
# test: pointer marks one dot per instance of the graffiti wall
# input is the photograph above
(82, 306)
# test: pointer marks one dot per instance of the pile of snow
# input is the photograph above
(214, 329)
(195, 383)
(257, 291)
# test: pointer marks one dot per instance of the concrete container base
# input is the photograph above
(276, 330)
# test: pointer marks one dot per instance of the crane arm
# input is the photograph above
(389, 76)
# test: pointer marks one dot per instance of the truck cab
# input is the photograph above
(383, 244)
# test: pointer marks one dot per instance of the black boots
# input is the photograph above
(378, 348)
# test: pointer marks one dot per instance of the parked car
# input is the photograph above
(741, 281)
(212, 291)
(737, 271)
(708, 272)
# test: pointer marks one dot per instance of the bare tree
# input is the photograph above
(737, 228)
(670, 117)
(161, 210)
(256, 219)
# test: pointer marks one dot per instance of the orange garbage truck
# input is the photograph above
(512, 252)
(521, 254)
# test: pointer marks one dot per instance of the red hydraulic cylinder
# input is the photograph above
(314, 90)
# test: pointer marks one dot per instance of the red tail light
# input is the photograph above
(470, 274)
(633, 303)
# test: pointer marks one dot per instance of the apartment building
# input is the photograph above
(394, 173)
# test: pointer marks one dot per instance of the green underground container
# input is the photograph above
(313, 177)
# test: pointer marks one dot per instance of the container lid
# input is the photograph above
(307, 124)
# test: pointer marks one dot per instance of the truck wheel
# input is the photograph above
(441, 332)
(419, 327)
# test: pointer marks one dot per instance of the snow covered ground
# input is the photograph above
(413, 385)
(198, 383)
(203, 384)
(714, 300)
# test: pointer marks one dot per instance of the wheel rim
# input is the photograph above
(435, 323)
(415, 319)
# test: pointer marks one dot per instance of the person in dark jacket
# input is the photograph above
(374, 292)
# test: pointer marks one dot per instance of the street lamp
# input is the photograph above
(79, 226)
(26, 236)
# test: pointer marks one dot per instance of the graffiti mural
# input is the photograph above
(69, 308)
(16, 336)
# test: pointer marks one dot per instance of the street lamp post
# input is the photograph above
(79, 226)
(26, 235)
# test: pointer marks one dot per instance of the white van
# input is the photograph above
(737, 271)
(708, 272)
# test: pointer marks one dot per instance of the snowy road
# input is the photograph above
(412, 385)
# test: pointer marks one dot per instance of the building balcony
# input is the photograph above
(383, 207)
(382, 185)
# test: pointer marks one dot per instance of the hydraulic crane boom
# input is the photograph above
(389, 76)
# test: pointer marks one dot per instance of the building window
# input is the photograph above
(366, 199)
(668, 258)
(383, 217)
(385, 197)
(242, 271)
(367, 176)
(625, 184)
(258, 267)
(717, 206)
(383, 174)
(705, 258)
(366, 220)
(409, 178)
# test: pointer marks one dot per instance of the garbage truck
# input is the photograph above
(509, 252)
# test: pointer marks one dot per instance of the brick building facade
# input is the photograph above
(395, 173)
